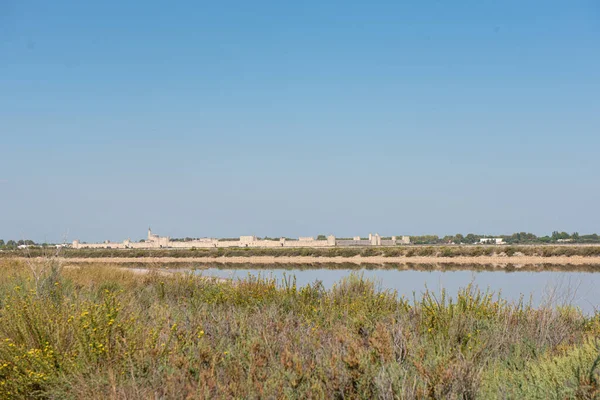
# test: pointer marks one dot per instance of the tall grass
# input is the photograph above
(101, 332)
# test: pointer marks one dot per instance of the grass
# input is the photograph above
(397, 251)
(102, 332)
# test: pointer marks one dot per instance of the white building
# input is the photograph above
(491, 241)
(154, 241)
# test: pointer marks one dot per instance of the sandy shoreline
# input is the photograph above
(482, 260)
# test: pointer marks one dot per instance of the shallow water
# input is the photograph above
(581, 289)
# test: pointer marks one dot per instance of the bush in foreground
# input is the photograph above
(101, 332)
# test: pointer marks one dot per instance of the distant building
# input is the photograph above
(405, 240)
(491, 241)
(154, 241)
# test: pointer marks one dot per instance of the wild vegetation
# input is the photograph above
(397, 251)
(515, 238)
(101, 332)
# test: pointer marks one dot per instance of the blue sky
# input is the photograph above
(298, 118)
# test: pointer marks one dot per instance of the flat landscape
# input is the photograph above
(502, 256)
(105, 332)
(346, 200)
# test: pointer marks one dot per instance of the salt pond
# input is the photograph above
(581, 289)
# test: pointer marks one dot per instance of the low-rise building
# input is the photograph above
(491, 241)
(154, 241)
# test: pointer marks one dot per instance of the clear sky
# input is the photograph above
(226, 118)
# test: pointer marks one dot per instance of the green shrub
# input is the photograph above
(103, 332)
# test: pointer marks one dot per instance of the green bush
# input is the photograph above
(102, 332)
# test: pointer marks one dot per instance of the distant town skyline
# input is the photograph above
(295, 119)
(458, 237)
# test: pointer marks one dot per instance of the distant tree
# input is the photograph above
(11, 244)
(545, 239)
(575, 236)
(321, 237)
(556, 235)
(593, 236)
(471, 238)
(524, 237)
(427, 239)
(1, 243)
(590, 238)
(521, 237)
(459, 238)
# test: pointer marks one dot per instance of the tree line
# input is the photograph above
(14, 244)
(515, 238)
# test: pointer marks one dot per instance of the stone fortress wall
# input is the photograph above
(164, 242)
